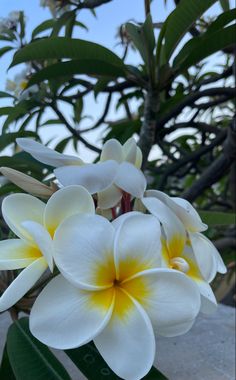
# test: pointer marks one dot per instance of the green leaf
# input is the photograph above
(61, 21)
(63, 47)
(48, 24)
(19, 110)
(94, 67)
(4, 50)
(180, 20)
(5, 111)
(221, 21)
(213, 218)
(225, 5)
(6, 372)
(22, 25)
(143, 38)
(9, 138)
(29, 358)
(93, 366)
(4, 94)
(201, 47)
(122, 130)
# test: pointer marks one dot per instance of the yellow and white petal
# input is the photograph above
(170, 298)
(65, 202)
(109, 197)
(130, 151)
(130, 179)
(204, 253)
(94, 177)
(112, 150)
(17, 208)
(174, 229)
(182, 208)
(208, 300)
(16, 254)
(46, 155)
(42, 240)
(127, 343)
(137, 245)
(83, 251)
(65, 317)
(22, 284)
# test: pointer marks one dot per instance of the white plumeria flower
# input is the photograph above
(190, 253)
(19, 84)
(112, 290)
(35, 224)
(117, 171)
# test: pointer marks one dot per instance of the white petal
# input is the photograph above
(42, 240)
(17, 208)
(127, 343)
(204, 253)
(84, 251)
(170, 298)
(65, 317)
(109, 197)
(120, 220)
(46, 155)
(137, 245)
(94, 177)
(16, 254)
(139, 158)
(182, 208)
(22, 284)
(209, 250)
(66, 202)
(174, 229)
(112, 150)
(130, 151)
(208, 300)
(130, 179)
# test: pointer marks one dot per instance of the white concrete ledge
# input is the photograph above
(207, 352)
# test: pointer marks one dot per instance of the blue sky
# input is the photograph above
(101, 30)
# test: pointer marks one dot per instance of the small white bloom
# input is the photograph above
(35, 224)
(114, 293)
(19, 84)
(118, 170)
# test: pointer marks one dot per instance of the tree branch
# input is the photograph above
(217, 169)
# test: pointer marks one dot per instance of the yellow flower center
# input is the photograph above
(23, 84)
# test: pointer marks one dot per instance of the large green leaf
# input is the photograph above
(180, 20)
(93, 366)
(62, 47)
(201, 47)
(221, 21)
(217, 217)
(143, 38)
(94, 67)
(29, 358)
(6, 372)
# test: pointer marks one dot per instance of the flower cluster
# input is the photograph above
(56, 7)
(127, 263)
(10, 22)
(18, 86)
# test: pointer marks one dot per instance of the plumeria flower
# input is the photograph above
(190, 253)
(19, 84)
(56, 7)
(35, 223)
(117, 171)
(113, 291)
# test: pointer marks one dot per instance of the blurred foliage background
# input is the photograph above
(179, 102)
